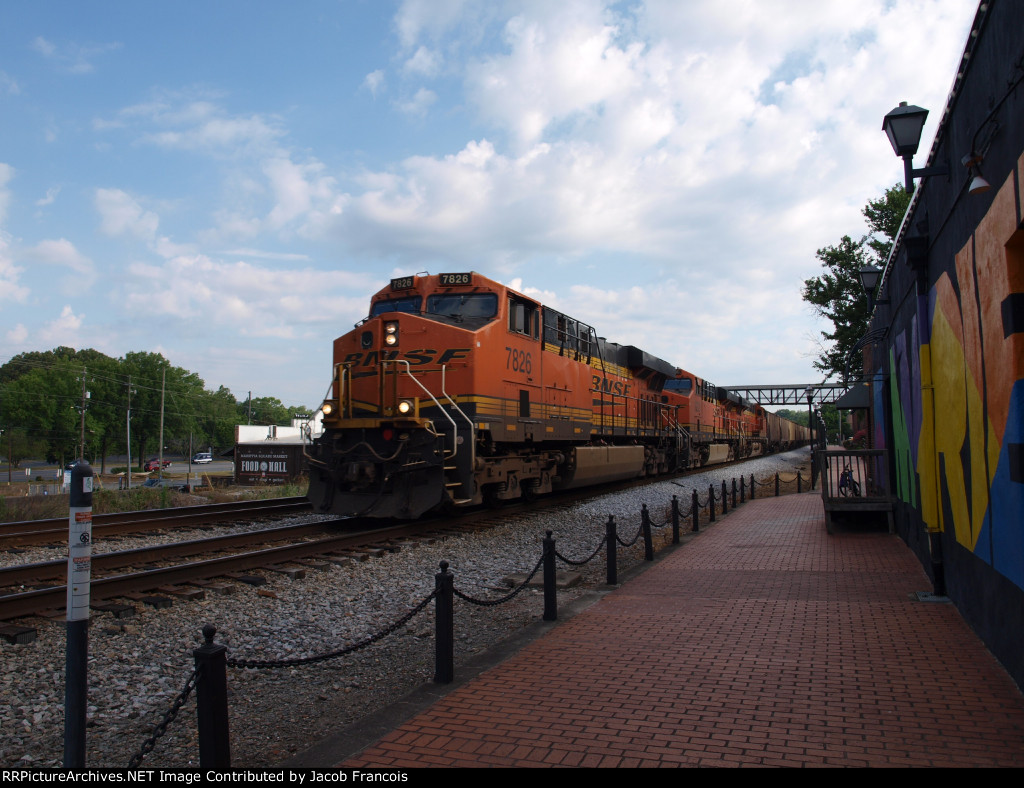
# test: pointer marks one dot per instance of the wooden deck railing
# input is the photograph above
(854, 480)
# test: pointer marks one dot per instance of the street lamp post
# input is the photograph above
(903, 126)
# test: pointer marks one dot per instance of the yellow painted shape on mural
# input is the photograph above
(949, 373)
(958, 401)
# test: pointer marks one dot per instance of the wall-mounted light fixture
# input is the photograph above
(869, 276)
(903, 126)
(972, 162)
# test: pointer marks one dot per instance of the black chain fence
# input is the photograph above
(208, 679)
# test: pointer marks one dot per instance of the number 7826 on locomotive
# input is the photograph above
(457, 390)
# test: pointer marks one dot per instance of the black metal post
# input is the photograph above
(752, 486)
(645, 525)
(725, 499)
(743, 489)
(695, 510)
(444, 638)
(550, 589)
(799, 486)
(776, 484)
(675, 520)
(76, 672)
(212, 702)
(733, 492)
(711, 503)
(612, 574)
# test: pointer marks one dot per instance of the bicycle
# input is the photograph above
(847, 484)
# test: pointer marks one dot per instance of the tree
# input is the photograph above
(837, 294)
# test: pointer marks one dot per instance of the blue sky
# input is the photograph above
(227, 183)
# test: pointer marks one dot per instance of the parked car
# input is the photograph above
(202, 457)
(154, 464)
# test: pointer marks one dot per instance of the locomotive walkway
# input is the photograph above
(763, 641)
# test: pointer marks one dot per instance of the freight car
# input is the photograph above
(457, 390)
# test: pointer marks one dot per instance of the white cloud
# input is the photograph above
(374, 81)
(73, 58)
(17, 335)
(424, 62)
(295, 188)
(6, 173)
(43, 47)
(61, 252)
(62, 330)
(429, 18)
(121, 214)
(8, 84)
(10, 290)
(419, 103)
(247, 299)
(51, 196)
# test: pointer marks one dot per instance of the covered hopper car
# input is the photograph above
(457, 390)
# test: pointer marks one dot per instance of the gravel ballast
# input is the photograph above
(139, 665)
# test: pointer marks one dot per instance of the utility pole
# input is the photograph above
(128, 431)
(248, 418)
(85, 396)
(163, 387)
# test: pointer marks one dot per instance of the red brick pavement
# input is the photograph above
(764, 641)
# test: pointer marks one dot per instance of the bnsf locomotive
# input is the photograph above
(457, 390)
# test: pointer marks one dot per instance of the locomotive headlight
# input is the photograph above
(405, 407)
(391, 334)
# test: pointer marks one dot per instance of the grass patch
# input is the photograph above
(139, 499)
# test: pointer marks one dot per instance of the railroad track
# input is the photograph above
(302, 541)
(54, 531)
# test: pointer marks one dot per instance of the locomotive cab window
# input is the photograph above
(410, 305)
(681, 385)
(523, 317)
(475, 308)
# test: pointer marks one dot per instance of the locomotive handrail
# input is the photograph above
(444, 390)
(455, 428)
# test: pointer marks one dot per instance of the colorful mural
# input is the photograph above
(957, 395)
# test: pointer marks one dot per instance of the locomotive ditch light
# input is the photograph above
(405, 407)
(327, 408)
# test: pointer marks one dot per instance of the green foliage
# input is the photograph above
(41, 395)
(796, 416)
(837, 294)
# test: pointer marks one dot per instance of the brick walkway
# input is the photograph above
(763, 642)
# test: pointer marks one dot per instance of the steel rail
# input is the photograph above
(29, 602)
(48, 570)
(29, 532)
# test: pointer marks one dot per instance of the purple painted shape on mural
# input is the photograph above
(878, 406)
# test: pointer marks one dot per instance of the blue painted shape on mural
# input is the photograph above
(1002, 535)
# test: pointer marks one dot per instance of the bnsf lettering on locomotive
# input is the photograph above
(606, 386)
(453, 354)
(415, 358)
